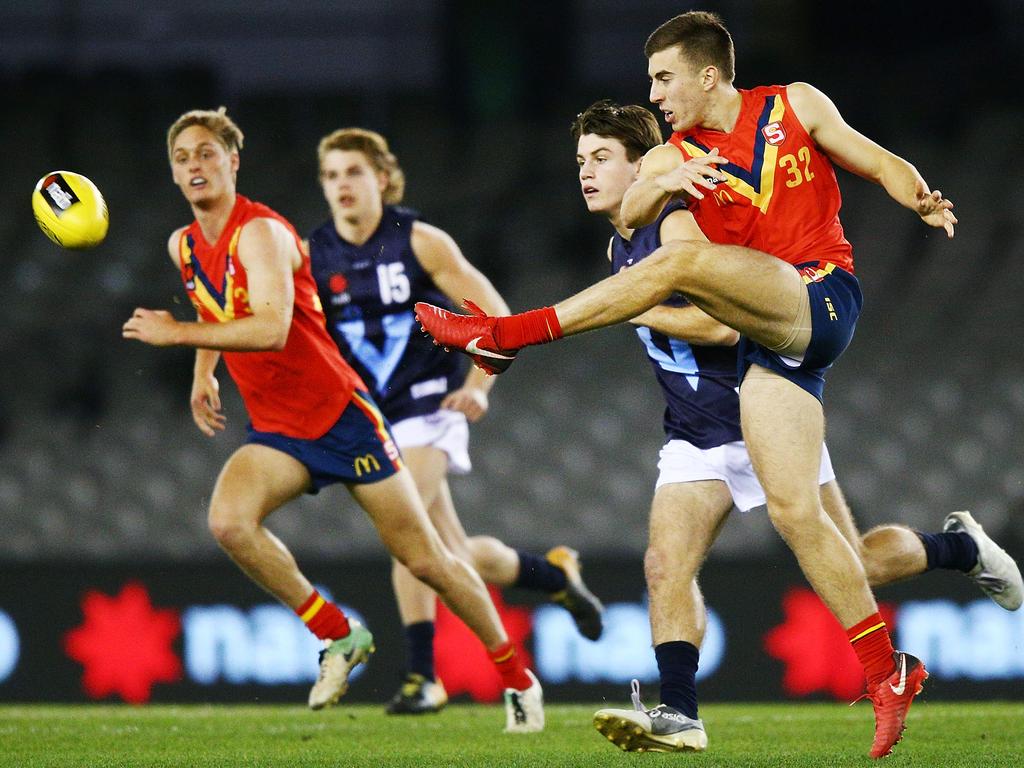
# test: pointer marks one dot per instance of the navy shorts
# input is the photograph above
(357, 449)
(836, 302)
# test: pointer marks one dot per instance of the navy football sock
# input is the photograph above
(955, 550)
(419, 644)
(677, 663)
(537, 573)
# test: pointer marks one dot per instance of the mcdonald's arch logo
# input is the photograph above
(366, 464)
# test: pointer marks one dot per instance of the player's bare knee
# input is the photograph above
(790, 516)
(231, 532)
(662, 565)
(428, 569)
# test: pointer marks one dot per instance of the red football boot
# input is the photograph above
(471, 334)
(892, 698)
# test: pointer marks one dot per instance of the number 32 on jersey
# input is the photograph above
(797, 167)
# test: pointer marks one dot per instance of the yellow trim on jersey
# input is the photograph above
(202, 295)
(769, 163)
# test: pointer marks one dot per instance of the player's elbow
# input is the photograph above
(278, 339)
(274, 334)
(724, 336)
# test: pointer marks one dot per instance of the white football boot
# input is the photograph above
(996, 573)
(337, 660)
(524, 710)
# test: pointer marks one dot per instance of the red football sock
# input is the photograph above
(538, 326)
(510, 667)
(870, 641)
(324, 619)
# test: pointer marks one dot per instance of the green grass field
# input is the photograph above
(947, 735)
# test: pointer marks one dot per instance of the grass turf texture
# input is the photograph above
(940, 734)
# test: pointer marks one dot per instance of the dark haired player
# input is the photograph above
(779, 271)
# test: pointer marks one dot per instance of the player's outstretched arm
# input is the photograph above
(858, 154)
(664, 174)
(442, 259)
(270, 256)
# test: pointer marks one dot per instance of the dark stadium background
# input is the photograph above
(104, 480)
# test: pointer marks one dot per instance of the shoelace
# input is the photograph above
(634, 686)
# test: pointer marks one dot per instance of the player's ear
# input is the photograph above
(235, 161)
(709, 77)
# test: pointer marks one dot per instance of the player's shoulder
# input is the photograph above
(429, 241)
(173, 242)
(800, 94)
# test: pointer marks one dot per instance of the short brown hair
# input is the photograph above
(214, 120)
(704, 39)
(635, 127)
(375, 148)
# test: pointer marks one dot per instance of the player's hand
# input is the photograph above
(151, 326)
(205, 403)
(472, 401)
(693, 175)
(934, 209)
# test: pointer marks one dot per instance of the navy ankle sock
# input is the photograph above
(537, 573)
(677, 663)
(419, 644)
(955, 551)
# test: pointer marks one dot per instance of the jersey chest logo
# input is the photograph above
(774, 133)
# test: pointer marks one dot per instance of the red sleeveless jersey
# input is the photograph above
(781, 194)
(299, 391)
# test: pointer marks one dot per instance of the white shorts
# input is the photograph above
(683, 462)
(444, 429)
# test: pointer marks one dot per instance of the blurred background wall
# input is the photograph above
(99, 459)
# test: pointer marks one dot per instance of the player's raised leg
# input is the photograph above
(759, 295)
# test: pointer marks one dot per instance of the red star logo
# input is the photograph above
(461, 659)
(124, 644)
(814, 647)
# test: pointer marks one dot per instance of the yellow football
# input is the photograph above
(70, 210)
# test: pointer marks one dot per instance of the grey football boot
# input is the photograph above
(661, 729)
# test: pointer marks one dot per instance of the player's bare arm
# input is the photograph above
(858, 154)
(441, 258)
(690, 324)
(665, 174)
(270, 256)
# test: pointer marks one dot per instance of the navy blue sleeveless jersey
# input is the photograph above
(368, 292)
(699, 382)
